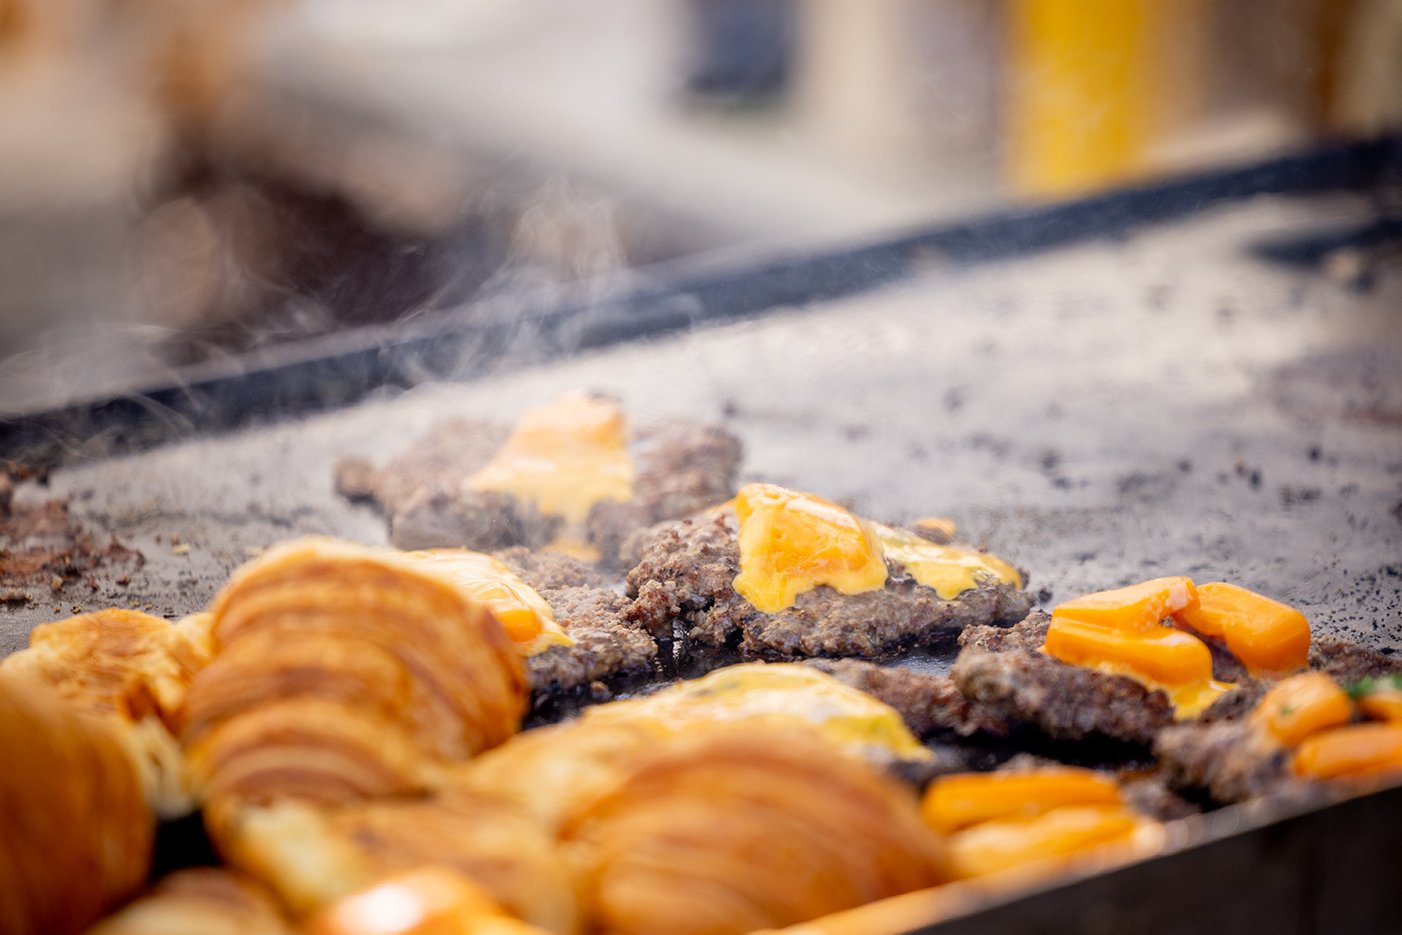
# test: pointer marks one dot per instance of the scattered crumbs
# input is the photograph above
(175, 538)
(77, 608)
(58, 609)
(179, 548)
(124, 580)
(15, 596)
(1289, 496)
(157, 537)
(1250, 473)
(56, 583)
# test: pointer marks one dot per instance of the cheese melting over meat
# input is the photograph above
(778, 695)
(791, 543)
(949, 570)
(525, 615)
(1158, 657)
(564, 457)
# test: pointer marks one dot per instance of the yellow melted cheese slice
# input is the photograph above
(564, 457)
(779, 695)
(522, 612)
(948, 569)
(791, 543)
(1162, 658)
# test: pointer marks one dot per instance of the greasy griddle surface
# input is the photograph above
(1163, 404)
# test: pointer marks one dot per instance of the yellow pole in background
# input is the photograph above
(1092, 83)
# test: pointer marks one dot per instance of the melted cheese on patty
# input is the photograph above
(791, 543)
(564, 458)
(522, 612)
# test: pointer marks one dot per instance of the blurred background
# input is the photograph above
(186, 180)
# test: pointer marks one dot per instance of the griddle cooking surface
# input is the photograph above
(1168, 403)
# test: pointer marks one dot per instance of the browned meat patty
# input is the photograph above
(1003, 671)
(928, 703)
(685, 576)
(1152, 795)
(1226, 757)
(1347, 662)
(482, 520)
(1229, 760)
(681, 467)
(438, 462)
(607, 648)
(1235, 704)
(547, 571)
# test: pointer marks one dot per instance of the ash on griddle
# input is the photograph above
(42, 546)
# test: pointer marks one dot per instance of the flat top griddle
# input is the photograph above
(1170, 400)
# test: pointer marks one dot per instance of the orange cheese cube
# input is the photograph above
(1266, 635)
(1355, 750)
(1137, 607)
(1160, 655)
(1302, 705)
(955, 802)
(1007, 843)
(1385, 704)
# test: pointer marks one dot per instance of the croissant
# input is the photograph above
(117, 661)
(550, 769)
(134, 669)
(313, 856)
(736, 829)
(344, 672)
(77, 830)
(206, 901)
(435, 900)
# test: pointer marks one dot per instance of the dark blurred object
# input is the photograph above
(741, 49)
(1349, 256)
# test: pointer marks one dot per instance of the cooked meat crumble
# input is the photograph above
(680, 467)
(1347, 662)
(928, 703)
(1230, 760)
(685, 578)
(437, 462)
(606, 647)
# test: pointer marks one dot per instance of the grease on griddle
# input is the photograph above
(43, 548)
